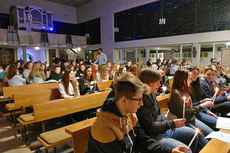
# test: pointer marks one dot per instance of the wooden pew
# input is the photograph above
(217, 146)
(59, 108)
(80, 134)
(23, 100)
(171, 82)
(163, 102)
(13, 90)
(104, 85)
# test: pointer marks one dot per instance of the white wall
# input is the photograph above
(62, 13)
(106, 9)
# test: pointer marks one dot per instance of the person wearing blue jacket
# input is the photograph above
(222, 104)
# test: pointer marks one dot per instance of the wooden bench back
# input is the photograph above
(62, 107)
(163, 102)
(80, 134)
(36, 97)
(171, 82)
(104, 85)
(13, 90)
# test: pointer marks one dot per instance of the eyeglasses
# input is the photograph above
(139, 100)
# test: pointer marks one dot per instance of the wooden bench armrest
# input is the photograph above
(79, 126)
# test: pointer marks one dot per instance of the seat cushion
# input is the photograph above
(10, 105)
(27, 117)
(55, 136)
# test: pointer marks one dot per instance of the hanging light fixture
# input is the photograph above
(162, 20)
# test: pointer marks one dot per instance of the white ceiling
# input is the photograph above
(74, 3)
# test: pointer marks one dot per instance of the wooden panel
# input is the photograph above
(80, 134)
(171, 82)
(163, 102)
(61, 107)
(9, 91)
(104, 85)
(217, 146)
(38, 97)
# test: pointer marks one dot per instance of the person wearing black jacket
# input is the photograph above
(172, 133)
(87, 83)
(56, 74)
(116, 129)
(80, 71)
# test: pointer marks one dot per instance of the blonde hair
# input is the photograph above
(37, 71)
(103, 71)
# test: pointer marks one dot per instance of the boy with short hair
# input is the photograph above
(116, 129)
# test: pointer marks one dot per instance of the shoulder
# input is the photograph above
(102, 130)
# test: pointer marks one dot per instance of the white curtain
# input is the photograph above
(29, 38)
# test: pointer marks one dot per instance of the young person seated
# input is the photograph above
(164, 82)
(222, 104)
(179, 97)
(204, 115)
(116, 129)
(5, 70)
(14, 78)
(87, 83)
(56, 74)
(27, 70)
(128, 65)
(37, 75)
(80, 71)
(172, 133)
(68, 86)
(103, 73)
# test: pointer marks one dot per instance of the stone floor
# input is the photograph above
(11, 141)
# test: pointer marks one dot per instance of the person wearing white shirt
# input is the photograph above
(68, 87)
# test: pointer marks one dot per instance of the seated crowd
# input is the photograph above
(130, 120)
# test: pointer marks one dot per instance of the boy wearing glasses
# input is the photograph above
(116, 129)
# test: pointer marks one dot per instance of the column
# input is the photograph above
(136, 54)
(147, 53)
(157, 54)
(16, 54)
(181, 52)
(47, 58)
(57, 53)
(24, 54)
(213, 50)
(196, 60)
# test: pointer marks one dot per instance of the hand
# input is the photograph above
(179, 122)
(180, 149)
(211, 113)
(228, 98)
(207, 104)
(206, 99)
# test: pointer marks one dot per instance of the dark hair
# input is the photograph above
(195, 85)
(5, 66)
(12, 71)
(92, 78)
(66, 81)
(147, 75)
(100, 49)
(179, 80)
